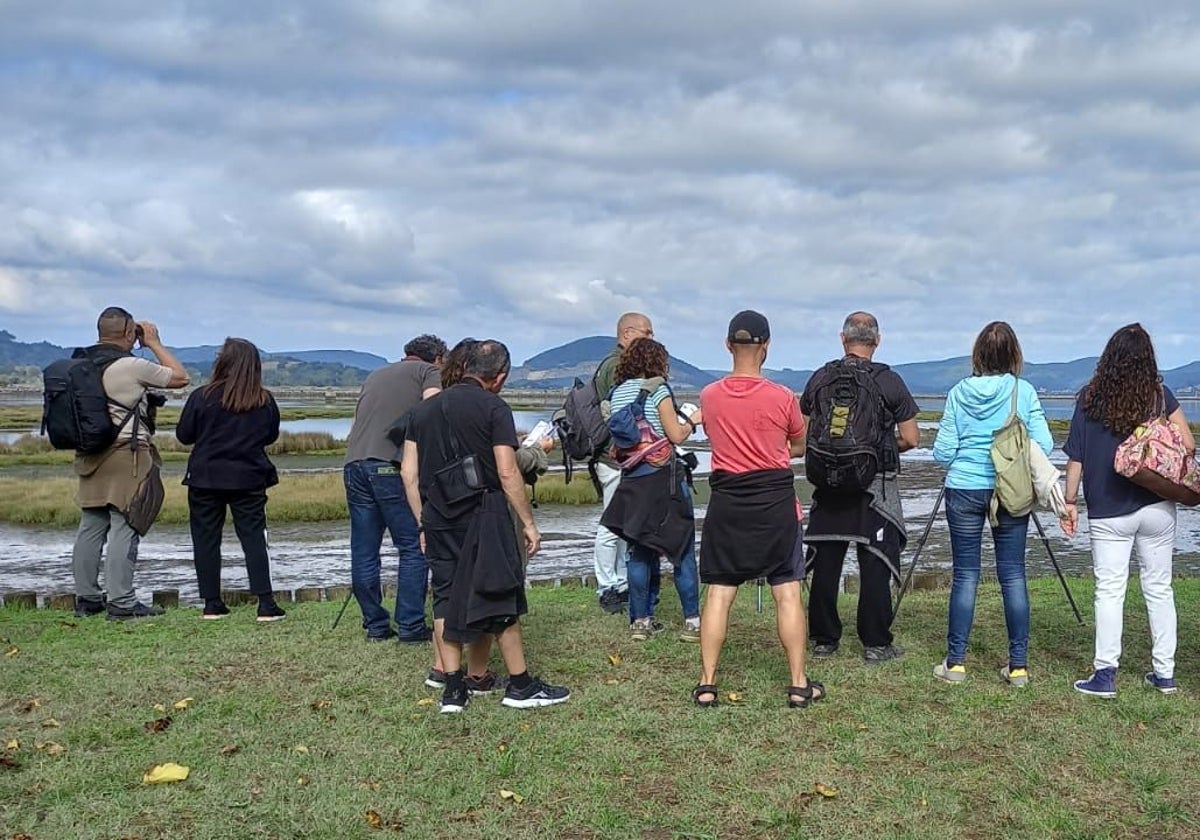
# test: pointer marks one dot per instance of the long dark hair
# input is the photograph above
(642, 359)
(238, 371)
(1126, 388)
(454, 363)
(996, 351)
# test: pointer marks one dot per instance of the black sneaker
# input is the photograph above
(534, 695)
(270, 611)
(886, 653)
(825, 650)
(485, 684)
(419, 638)
(138, 610)
(612, 601)
(214, 609)
(436, 678)
(454, 700)
(86, 606)
(381, 637)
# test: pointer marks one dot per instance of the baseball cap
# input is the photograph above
(749, 327)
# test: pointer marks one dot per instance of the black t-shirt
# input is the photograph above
(480, 420)
(1108, 495)
(897, 401)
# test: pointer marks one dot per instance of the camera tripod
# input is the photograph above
(937, 505)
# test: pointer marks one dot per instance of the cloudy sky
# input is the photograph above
(314, 175)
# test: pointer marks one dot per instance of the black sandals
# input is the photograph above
(802, 698)
(701, 690)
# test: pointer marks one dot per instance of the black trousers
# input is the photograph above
(206, 509)
(874, 595)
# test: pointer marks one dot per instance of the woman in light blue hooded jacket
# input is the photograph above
(975, 408)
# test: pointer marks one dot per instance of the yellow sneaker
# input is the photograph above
(950, 673)
(1016, 677)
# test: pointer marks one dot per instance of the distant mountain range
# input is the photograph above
(558, 367)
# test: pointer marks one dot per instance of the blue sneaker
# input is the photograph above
(1102, 683)
(1163, 685)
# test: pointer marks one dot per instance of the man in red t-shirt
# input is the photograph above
(752, 528)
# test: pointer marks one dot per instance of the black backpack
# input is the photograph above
(848, 428)
(74, 404)
(581, 426)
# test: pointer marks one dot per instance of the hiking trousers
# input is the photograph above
(206, 515)
(97, 526)
(874, 619)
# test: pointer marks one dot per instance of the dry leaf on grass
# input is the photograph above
(50, 723)
(825, 790)
(50, 748)
(229, 749)
(734, 697)
(425, 701)
(515, 797)
(157, 725)
(29, 705)
(318, 705)
(161, 774)
(300, 748)
(614, 659)
(612, 682)
(12, 651)
(159, 707)
(373, 819)
(181, 705)
(302, 781)
(12, 744)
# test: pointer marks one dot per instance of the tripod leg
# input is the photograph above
(1046, 542)
(758, 597)
(342, 611)
(937, 505)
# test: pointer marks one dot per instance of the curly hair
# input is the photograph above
(454, 363)
(1126, 389)
(642, 359)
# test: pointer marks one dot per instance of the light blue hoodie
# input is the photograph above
(975, 408)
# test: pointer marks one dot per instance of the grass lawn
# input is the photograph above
(297, 731)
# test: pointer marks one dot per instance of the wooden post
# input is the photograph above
(285, 596)
(337, 593)
(548, 583)
(308, 593)
(64, 602)
(168, 599)
(237, 597)
(22, 599)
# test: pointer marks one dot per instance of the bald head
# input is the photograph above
(860, 332)
(632, 326)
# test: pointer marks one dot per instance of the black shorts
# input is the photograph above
(791, 571)
(443, 547)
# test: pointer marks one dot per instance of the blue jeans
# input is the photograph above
(645, 577)
(966, 511)
(375, 496)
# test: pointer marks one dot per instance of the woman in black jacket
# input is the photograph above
(230, 421)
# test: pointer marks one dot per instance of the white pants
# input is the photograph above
(1152, 531)
(610, 550)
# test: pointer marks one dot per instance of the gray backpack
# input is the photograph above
(1010, 457)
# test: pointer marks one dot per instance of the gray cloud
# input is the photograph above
(310, 175)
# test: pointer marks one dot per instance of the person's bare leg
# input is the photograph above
(512, 649)
(793, 630)
(449, 652)
(714, 625)
(478, 653)
(439, 664)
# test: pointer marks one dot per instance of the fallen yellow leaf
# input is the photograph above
(515, 797)
(373, 819)
(161, 774)
(303, 750)
(13, 744)
(425, 701)
(318, 705)
(825, 790)
(180, 705)
(302, 781)
(612, 682)
(50, 747)
(614, 659)
(50, 723)
(734, 697)
(12, 651)
(159, 707)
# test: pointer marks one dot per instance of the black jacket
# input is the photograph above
(228, 452)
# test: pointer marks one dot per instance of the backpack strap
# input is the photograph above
(1012, 412)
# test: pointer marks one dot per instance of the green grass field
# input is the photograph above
(297, 731)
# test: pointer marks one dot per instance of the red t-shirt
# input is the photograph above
(749, 422)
